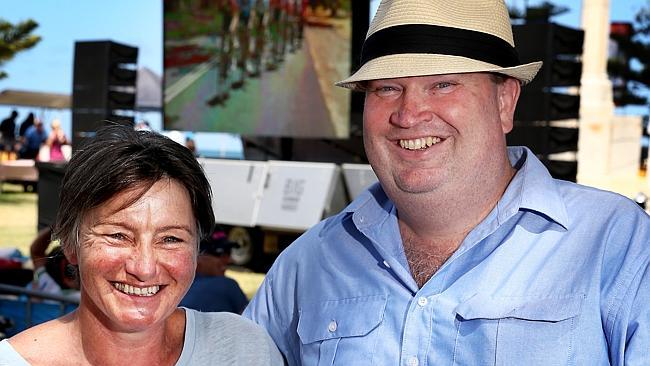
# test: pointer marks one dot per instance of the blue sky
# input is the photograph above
(619, 10)
(48, 66)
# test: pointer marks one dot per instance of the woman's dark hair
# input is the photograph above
(118, 159)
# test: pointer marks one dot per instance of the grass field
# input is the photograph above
(18, 217)
(18, 221)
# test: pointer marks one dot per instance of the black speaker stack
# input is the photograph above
(549, 98)
(104, 87)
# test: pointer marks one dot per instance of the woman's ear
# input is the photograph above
(71, 255)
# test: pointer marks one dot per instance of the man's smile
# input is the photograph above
(419, 143)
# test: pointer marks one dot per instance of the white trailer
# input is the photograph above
(265, 205)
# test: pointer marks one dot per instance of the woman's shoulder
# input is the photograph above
(229, 322)
(240, 341)
(9, 356)
(42, 343)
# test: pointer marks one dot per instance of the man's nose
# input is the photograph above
(142, 263)
(413, 109)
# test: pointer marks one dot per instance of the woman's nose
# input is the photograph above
(142, 263)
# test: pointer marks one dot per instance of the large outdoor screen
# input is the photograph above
(257, 67)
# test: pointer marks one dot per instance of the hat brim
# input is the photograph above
(408, 65)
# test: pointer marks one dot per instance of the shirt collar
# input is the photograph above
(532, 188)
(372, 207)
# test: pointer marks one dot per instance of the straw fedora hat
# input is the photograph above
(432, 37)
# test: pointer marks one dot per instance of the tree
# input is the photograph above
(15, 38)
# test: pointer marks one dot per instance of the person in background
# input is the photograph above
(467, 251)
(190, 144)
(211, 289)
(133, 208)
(24, 126)
(8, 131)
(27, 123)
(35, 136)
(142, 126)
(55, 140)
(53, 273)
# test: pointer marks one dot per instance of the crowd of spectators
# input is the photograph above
(30, 139)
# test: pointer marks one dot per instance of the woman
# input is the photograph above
(133, 208)
(55, 140)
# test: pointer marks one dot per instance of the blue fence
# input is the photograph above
(23, 308)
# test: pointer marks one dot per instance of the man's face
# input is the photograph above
(428, 133)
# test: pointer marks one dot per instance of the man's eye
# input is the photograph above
(443, 85)
(385, 91)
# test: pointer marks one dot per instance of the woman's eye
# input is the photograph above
(117, 236)
(172, 239)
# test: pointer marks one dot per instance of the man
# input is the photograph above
(467, 252)
(35, 136)
(53, 273)
(211, 289)
(27, 123)
(8, 131)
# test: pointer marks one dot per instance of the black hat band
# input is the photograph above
(434, 39)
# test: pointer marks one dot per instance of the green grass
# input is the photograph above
(18, 217)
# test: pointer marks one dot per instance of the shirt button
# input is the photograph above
(332, 326)
(413, 361)
(423, 301)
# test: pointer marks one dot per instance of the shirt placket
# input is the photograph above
(416, 340)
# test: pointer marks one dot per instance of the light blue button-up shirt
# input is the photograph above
(556, 274)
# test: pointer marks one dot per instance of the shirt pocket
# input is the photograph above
(341, 332)
(522, 331)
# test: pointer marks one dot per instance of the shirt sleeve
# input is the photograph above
(264, 311)
(627, 319)
(632, 326)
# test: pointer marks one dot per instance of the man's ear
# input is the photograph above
(508, 93)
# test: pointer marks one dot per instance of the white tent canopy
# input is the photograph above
(148, 91)
(148, 95)
(21, 98)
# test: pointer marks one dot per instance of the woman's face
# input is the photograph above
(137, 262)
